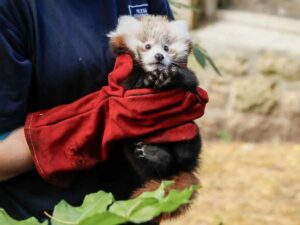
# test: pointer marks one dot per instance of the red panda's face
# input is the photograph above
(154, 55)
(154, 41)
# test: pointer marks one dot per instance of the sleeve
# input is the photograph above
(160, 7)
(4, 135)
(15, 72)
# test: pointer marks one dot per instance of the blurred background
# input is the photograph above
(250, 170)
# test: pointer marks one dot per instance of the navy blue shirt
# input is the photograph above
(53, 52)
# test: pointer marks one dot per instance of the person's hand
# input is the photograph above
(79, 135)
(15, 156)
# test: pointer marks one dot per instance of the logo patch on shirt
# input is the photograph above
(138, 10)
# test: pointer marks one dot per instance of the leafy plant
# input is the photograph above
(202, 58)
(101, 208)
(5, 219)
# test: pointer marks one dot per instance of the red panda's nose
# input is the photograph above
(159, 56)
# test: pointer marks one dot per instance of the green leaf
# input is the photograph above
(134, 210)
(211, 62)
(93, 204)
(5, 219)
(145, 214)
(159, 193)
(177, 198)
(151, 204)
(106, 218)
(200, 56)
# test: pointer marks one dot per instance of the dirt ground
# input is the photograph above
(247, 184)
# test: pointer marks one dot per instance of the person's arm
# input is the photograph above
(15, 79)
(15, 156)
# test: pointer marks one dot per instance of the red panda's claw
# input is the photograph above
(163, 79)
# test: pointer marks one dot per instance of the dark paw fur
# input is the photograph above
(152, 153)
(150, 79)
(165, 77)
(154, 157)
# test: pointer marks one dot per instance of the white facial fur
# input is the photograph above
(170, 39)
(148, 59)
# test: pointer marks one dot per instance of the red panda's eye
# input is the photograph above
(166, 48)
(147, 46)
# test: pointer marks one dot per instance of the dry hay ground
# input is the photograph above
(247, 184)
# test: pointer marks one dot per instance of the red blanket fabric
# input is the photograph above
(77, 136)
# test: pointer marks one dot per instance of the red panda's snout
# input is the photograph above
(159, 57)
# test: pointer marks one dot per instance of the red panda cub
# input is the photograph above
(160, 49)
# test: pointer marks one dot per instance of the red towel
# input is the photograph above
(77, 136)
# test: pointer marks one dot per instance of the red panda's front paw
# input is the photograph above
(150, 79)
(165, 77)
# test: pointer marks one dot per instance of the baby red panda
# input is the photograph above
(160, 49)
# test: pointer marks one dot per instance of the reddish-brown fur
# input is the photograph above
(118, 44)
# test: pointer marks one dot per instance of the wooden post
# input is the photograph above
(210, 9)
(200, 9)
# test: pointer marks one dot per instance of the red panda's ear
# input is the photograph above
(121, 38)
(118, 44)
(180, 30)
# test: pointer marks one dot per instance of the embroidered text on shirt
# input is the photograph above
(138, 10)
